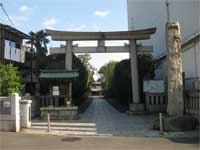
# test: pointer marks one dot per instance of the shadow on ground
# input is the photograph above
(185, 140)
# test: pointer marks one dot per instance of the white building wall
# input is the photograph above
(153, 13)
(191, 63)
(197, 53)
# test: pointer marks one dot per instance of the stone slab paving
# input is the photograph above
(111, 122)
(101, 119)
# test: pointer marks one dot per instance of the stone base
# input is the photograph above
(177, 123)
(136, 108)
(59, 113)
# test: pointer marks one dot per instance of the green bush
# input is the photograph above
(106, 74)
(10, 80)
(120, 85)
(80, 84)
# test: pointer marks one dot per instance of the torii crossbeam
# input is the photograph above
(101, 37)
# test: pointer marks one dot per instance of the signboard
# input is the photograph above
(5, 107)
(56, 91)
(13, 53)
(153, 86)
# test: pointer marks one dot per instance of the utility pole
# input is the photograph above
(167, 7)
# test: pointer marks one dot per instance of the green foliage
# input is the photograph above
(80, 84)
(85, 59)
(120, 87)
(40, 41)
(10, 80)
(106, 74)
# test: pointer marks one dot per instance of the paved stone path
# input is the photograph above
(109, 121)
(101, 118)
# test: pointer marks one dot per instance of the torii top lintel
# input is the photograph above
(118, 35)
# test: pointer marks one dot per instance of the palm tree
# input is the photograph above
(32, 42)
(39, 41)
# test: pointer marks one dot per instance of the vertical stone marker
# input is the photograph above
(174, 70)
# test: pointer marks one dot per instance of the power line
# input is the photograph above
(4, 10)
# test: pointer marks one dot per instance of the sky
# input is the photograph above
(70, 15)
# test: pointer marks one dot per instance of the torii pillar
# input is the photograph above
(68, 65)
(136, 105)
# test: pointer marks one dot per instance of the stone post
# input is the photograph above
(174, 70)
(25, 113)
(68, 65)
(136, 106)
(15, 110)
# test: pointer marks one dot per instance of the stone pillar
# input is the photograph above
(136, 106)
(15, 111)
(174, 69)
(68, 55)
(68, 65)
(25, 113)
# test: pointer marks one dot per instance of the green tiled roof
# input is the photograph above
(58, 74)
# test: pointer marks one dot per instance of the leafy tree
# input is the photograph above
(119, 85)
(85, 59)
(80, 84)
(10, 80)
(106, 74)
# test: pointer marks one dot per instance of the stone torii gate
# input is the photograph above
(101, 37)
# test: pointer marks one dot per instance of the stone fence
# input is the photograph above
(192, 104)
(14, 113)
(10, 113)
(155, 102)
(46, 101)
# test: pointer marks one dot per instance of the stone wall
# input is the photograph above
(14, 113)
(60, 113)
(10, 117)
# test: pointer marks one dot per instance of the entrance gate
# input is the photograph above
(132, 48)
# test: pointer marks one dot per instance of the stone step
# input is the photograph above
(58, 124)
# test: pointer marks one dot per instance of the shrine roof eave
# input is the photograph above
(58, 74)
(118, 35)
